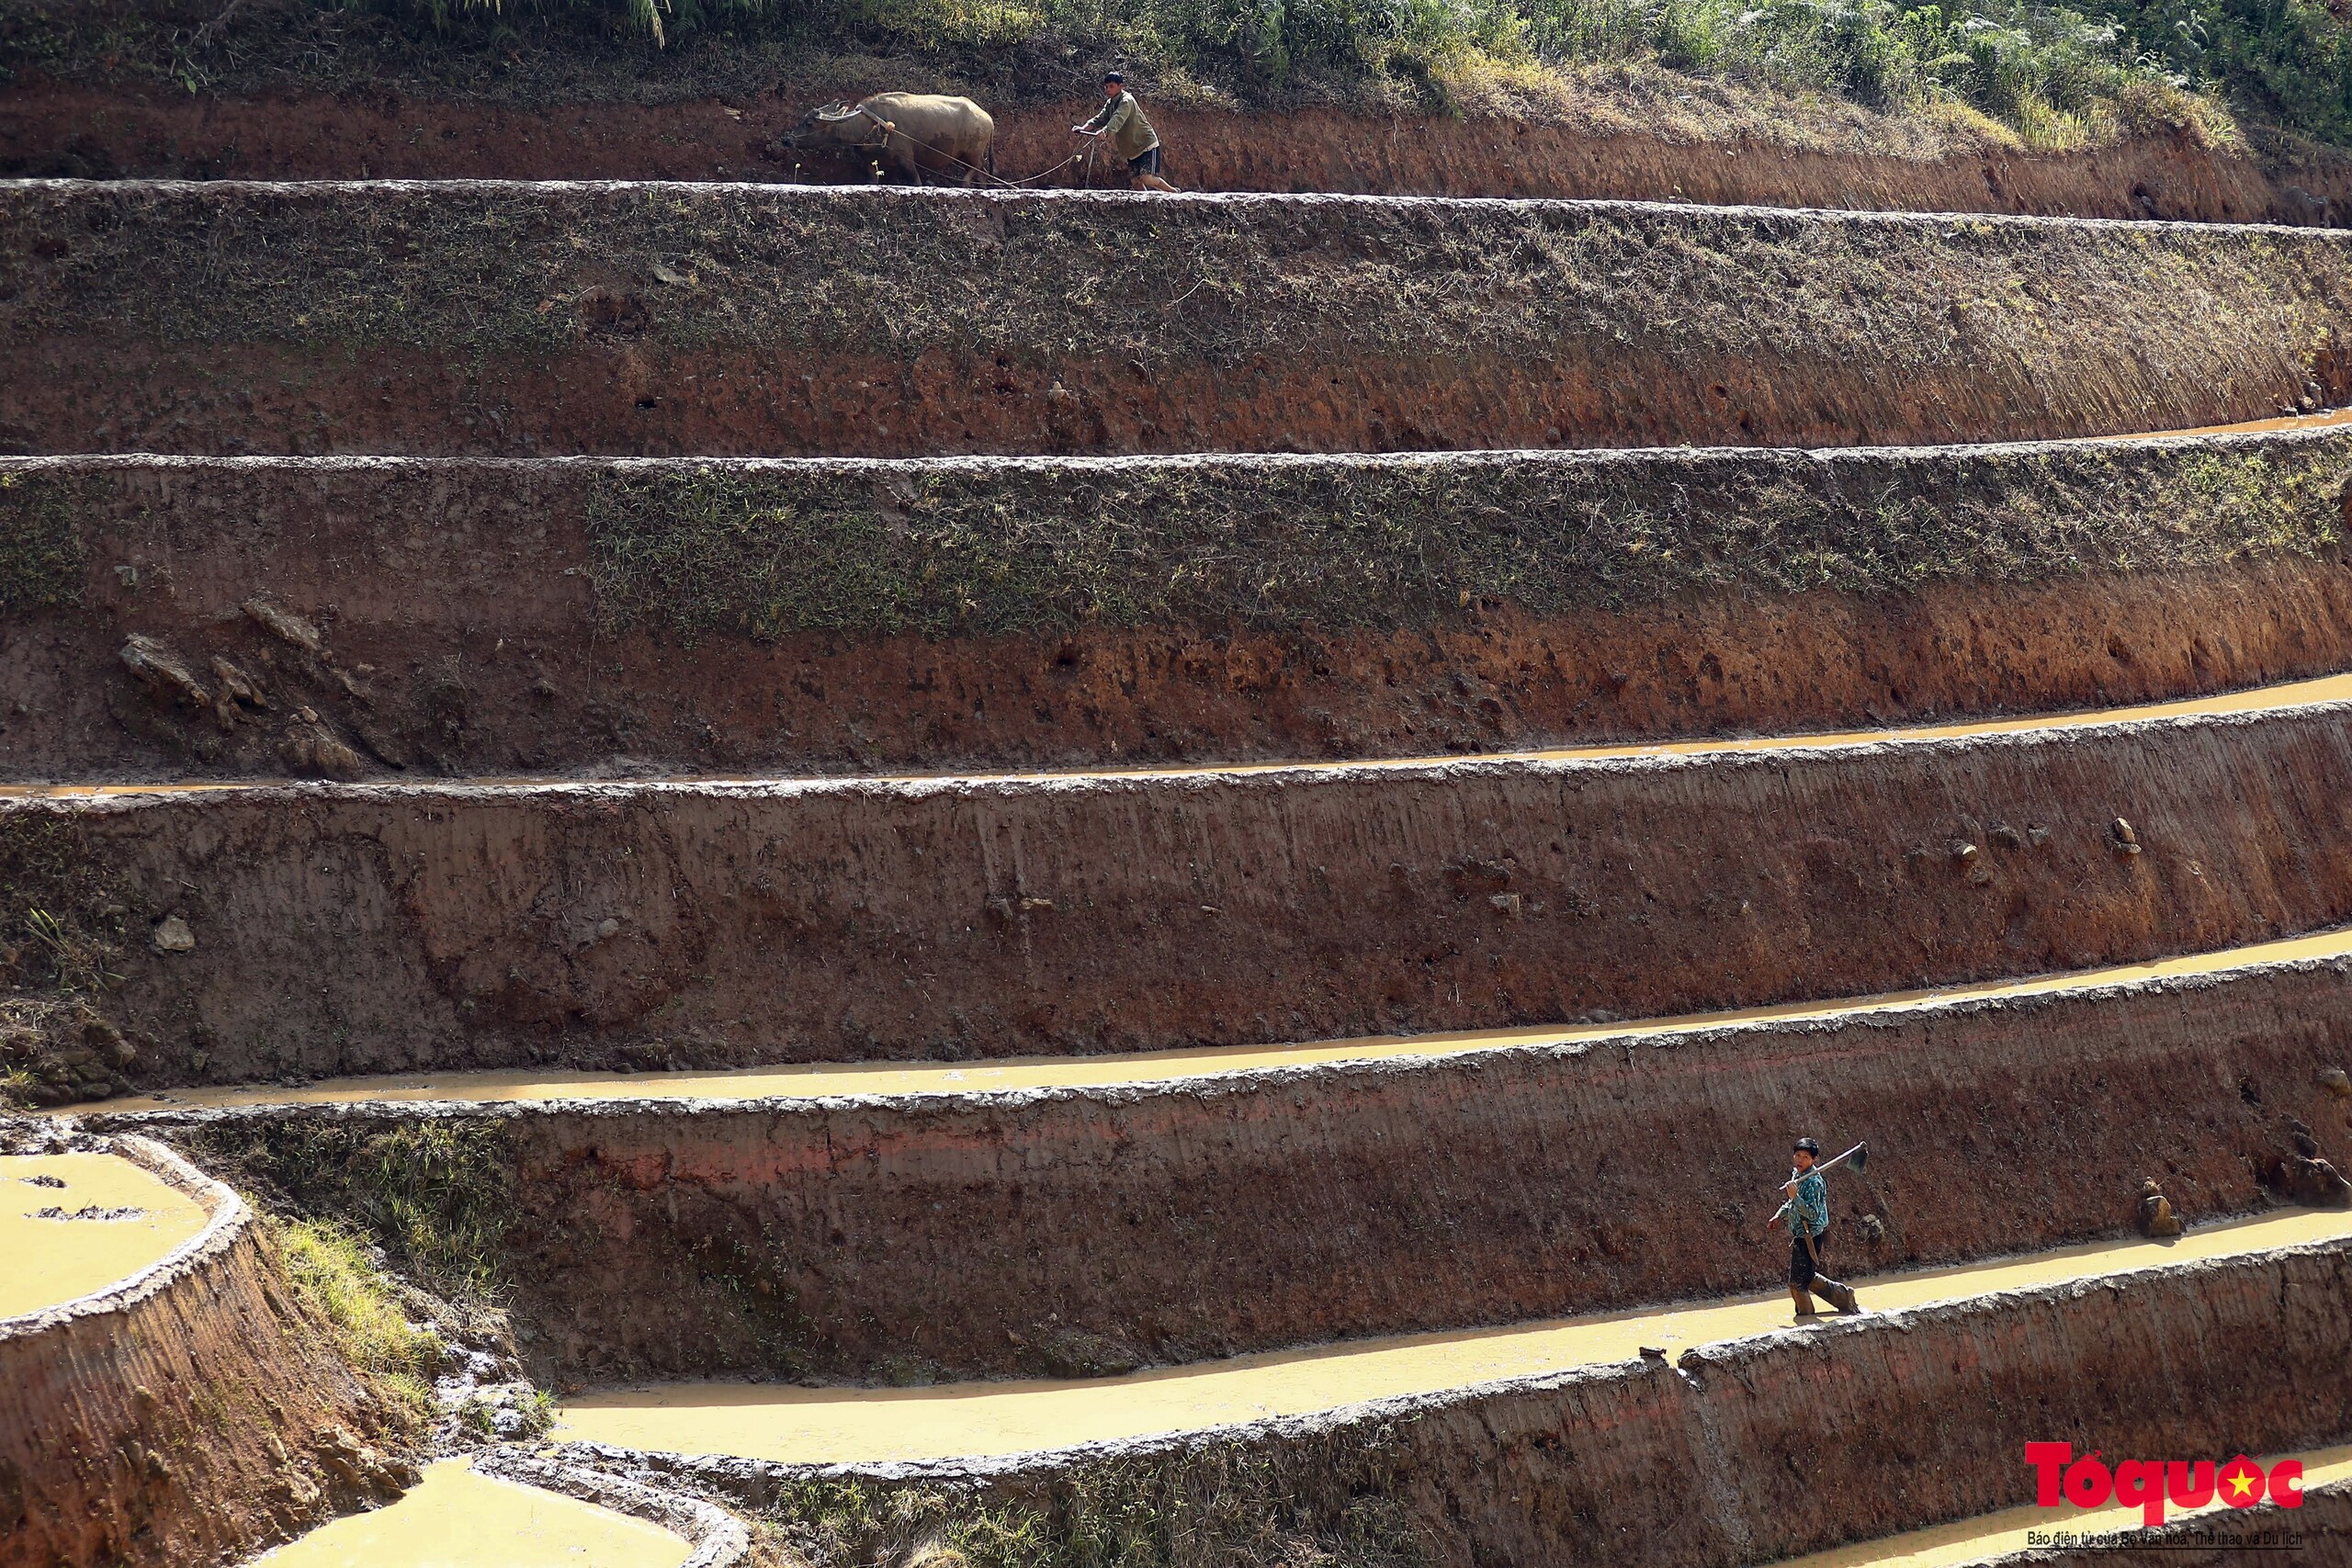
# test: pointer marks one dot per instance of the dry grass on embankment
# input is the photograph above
(840, 616)
(714, 319)
(1784, 82)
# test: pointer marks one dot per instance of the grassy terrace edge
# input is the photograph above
(705, 548)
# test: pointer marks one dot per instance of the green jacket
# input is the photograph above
(1123, 118)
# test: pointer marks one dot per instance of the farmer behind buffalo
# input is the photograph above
(1122, 119)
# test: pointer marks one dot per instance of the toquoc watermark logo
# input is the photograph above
(2151, 1485)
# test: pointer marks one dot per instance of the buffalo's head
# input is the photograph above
(834, 125)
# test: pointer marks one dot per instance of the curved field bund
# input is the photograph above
(461, 318)
(1719, 1459)
(1062, 1232)
(593, 924)
(491, 617)
(185, 1413)
(54, 129)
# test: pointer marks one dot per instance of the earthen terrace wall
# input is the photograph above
(1615, 1462)
(495, 616)
(360, 928)
(52, 129)
(714, 319)
(189, 1414)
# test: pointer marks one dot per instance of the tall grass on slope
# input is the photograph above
(2017, 72)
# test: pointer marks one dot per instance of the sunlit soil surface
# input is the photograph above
(831, 1425)
(1992, 1536)
(454, 1519)
(823, 1079)
(74, 1225)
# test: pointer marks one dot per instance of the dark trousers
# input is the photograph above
(1807, 1261)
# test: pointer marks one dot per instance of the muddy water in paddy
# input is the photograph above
(455, 1518)
(1159, 1067)
(822, 1425)
(2322, 421)
(107, 1221)
(1992, 1536)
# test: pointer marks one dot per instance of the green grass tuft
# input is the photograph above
(330, 1271)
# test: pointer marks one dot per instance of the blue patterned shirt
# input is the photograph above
(1811, 1204)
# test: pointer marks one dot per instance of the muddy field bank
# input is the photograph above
(714, 320)
(1617, 1463)
(1071, 1232)
(200, 1415)
(74, 131)
(348, 929)
(173, 617)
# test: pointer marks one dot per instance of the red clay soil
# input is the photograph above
(58, 130)
(1717, 1461)
(352, 929)
(79, 395)
(1181, 1222)
(313, 319)
(482, 643)
(194, 1417)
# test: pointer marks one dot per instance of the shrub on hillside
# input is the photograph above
(2288, 62)
(2051, 74)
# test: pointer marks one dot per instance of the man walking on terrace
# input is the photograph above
(1122, 119)
(1808, 1212)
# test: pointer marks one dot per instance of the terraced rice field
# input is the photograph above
(1183, 889)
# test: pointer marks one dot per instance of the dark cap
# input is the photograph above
(1806, 1146)
(1110, 76)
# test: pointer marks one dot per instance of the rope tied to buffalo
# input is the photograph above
(890, 128)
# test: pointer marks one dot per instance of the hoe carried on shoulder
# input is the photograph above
(1859, 1156)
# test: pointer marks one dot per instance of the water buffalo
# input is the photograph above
(923, 134)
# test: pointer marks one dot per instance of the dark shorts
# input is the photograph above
(1144, 162)
(1801, 1257)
